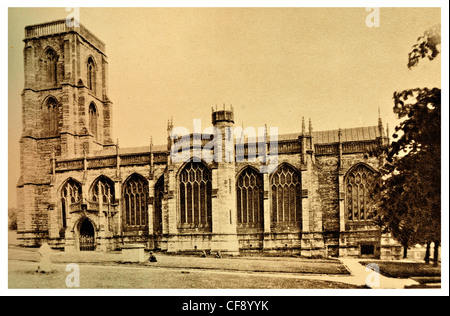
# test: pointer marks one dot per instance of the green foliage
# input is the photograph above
(426, 46)
(421, 127)
(409, 193)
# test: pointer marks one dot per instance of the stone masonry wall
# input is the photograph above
(62, 74)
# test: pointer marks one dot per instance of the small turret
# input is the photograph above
(224, 115)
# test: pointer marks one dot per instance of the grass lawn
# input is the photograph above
(104, 270)
(282, 265)
(405, 270)
(243, 264)
(22, 276)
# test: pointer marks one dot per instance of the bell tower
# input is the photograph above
(65, 112)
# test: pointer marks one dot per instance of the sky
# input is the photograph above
(274, 65)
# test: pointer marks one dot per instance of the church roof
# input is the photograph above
(332, 136)
(319, 137)
(348, 134)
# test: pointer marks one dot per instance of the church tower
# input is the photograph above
(66, 113)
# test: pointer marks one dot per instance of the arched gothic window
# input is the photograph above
(93, 119)
(286, 197)
(103, 190)
(195, 196)
(159, 196)
(358, 185)
(70, 194)
(135, 196)
(91, 74)
(51, 115)
(51, 68)
(250, 197)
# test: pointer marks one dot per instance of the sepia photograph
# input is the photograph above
(201, 149)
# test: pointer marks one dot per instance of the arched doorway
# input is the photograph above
(87, 236)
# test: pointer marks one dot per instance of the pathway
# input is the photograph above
(363, 275)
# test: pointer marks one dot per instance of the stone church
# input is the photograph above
(83, 192)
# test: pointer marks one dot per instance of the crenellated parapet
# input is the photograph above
(224, 115)
(60, 27)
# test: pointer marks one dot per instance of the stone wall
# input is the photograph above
(50, 158)
(55, 66)
(320, 235)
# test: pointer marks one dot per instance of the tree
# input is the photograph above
(409, 193)
(426, 46)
